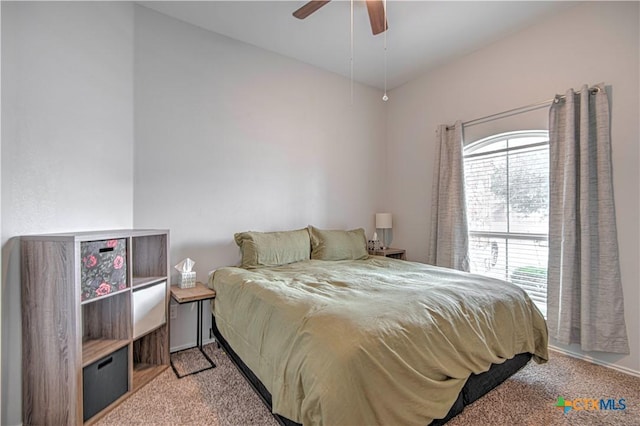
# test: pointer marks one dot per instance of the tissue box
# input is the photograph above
(187, 279)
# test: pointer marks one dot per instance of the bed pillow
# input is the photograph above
(338, 245)
(273, 248)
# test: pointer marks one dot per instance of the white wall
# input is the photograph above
(230, 138)
(67, 139)
(588, 43)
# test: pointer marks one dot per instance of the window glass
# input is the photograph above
(507, 189)
(486, 189)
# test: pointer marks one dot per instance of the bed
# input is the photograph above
(333, 336)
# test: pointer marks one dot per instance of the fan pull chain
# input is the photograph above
(385, 98)
(351, 59)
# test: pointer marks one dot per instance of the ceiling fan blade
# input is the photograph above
(309, 8)
(377, 16)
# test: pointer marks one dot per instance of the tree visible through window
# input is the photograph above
(507, 189)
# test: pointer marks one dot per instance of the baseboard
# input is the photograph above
(592, 360)
(190, 345)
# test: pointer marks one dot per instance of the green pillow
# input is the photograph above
(273, 248)
(338, 245)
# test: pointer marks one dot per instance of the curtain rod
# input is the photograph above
(519, 110)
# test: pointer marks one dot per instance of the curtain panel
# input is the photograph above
(449, 241)
(584, 289)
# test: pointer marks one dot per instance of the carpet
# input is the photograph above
(190, 361)
(216, 397)
(221, 396)
(530, 396)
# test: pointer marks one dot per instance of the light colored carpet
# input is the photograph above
(189, 361)
(221, 396)
(217, 397)
(529, 397)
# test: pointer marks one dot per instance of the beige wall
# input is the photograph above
(67, 139)
(230, 137)
(589, 43)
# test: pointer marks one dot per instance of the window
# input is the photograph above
(507, 190)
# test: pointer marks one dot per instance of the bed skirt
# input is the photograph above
(477, 385)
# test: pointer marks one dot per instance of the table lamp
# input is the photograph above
(384, 223)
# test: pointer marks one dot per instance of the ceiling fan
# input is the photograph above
(374, 7)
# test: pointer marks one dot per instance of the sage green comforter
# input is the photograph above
(374, 341)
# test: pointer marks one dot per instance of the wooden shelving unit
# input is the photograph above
(93, 350)
(66, 339)
(144, 281)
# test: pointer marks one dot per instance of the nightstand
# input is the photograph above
(198, 294)
(390, 252)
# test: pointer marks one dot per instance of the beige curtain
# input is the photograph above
(584, 290)
(449, 243)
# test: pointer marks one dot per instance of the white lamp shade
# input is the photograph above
(384, 221)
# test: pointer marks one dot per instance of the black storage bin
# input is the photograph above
(104, 381)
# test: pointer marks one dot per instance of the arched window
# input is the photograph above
(507, 190)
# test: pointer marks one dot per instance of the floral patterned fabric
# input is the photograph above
(104, 267)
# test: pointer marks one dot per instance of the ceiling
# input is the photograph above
(422, 34)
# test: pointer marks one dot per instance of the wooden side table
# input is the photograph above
(390, 252)
(198, 294)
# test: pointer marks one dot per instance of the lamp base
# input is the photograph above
(386, 237)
